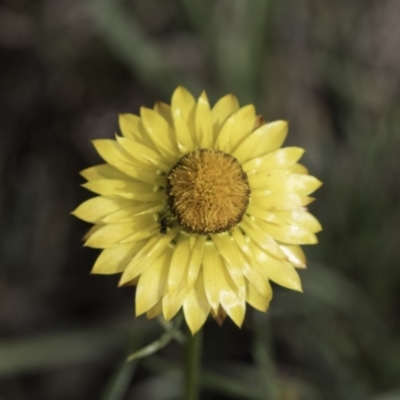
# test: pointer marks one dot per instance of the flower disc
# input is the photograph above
(208, 192)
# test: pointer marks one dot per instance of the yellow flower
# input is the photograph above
(200, 208)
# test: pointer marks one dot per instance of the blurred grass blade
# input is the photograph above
(335, 290)
(170, 326)
(262, 356)
(128, 41)
(120, 381)
(79, 345)
(239, 40)
(123, 374)
(198, 11)
(393, 395)
(170, 334)
(219, 383)
(229, 387)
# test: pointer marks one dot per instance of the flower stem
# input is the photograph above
(192, 366)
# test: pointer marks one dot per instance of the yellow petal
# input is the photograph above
(103, 171)
(139, 174)
(196, 306)
(295, 255)
(183, 135)
(125, 189)
(266, 178)
(222, 110)
(164, 110)
(203, 123)
(91, 231)
(172, 301)
(278, 200)
(115, 259)
(171, 304)
(160, 132)
(262, 238)
(115, 155)
(278, 159)
(145, 156)
(275, 135)
(112, 234)
(252, 274)
(182, 107)
(196, 258)
(133, 130)
(127, 214)
(108, 235)
(211, 263)
(295, 183)
(298, 169)
(96, 208)
(179, 264)
(244, 125)
(154, 248)
(281, 272)
(257, 301)
(143, 233)
(233, 302)
(154, 311)
(262, 214)
(300, 217)
(133, 282)
(291, 234)
(223, 139)
(111, 152)
(235, 129)
(183, 100)
(262, 141)
(234, 262)
(130, 126)
(152, 284)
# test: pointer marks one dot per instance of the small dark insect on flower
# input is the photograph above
(164, 225)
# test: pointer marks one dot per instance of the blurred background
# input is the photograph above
(330, 67)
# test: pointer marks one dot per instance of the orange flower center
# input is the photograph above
(208, 191)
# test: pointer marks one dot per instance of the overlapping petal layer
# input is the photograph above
(213, 274)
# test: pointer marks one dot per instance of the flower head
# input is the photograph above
(200, 208)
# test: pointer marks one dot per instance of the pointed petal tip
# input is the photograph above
(194, 324)
(138, 311)
(193, 330)
(95, 141)
(94, 271)
(315, 241)
(239, 324)
(283, 122)
(298, 288)
(81, 173)
(203, 96)
(179, 89)
(122, 282)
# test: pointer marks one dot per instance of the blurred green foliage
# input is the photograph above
(332, 68)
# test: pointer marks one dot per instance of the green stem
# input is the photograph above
(192, 366)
